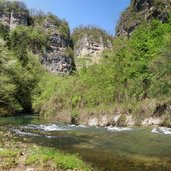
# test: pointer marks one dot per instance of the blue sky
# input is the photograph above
(102, 13)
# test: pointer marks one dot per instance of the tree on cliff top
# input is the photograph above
(93, 32)
(7, 6)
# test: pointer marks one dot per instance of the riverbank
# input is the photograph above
(19, 156)
(109, 118)
(148, 112)
(110, 148)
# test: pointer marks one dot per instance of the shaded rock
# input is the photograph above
(140, 11)
(13, 13)
(13, 19)
(56, 59)
(142, 5)
(58, 64)
(18, 18)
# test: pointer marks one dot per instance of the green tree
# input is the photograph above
(8, 103)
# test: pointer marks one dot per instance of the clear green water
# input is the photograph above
(136, 150)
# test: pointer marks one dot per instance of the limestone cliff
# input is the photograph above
(140, 11)
(13, 14)
(89, 43)
(56, 59)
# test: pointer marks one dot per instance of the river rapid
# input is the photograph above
(109, 148)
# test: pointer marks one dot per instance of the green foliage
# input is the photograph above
(8, 6)
(27, 37)
(75, 100)
(45, 89)
(69, 52)
(90, 87)
(64, 29)
(39, 18)
(15, 155)
(8, 102)
(7, 159)
(166, 120)
(20, 70)
(42, 156)
(4, 31)
(136, 72)
(26, 78)
(7, 153)
(161, 70)
(136, 59)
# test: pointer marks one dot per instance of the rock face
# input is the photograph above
(13, 18)
(58, 64)
(56, 60)
(88, 51)
(141, 5)
(140, 11)
(18, 18)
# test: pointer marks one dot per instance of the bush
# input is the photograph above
(38, 18)
(27, 37)
(8, 89)
(166, 120)
(17, 6)
(122, 120)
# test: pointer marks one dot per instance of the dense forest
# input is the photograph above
(132, 78)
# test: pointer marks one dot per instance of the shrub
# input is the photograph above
(122, 120)
(166, 120)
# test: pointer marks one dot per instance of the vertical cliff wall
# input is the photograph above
(56, 59)
(89, 43)
(140, 11)
(13, 14)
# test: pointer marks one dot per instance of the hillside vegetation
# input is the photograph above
(21, 51)
(141, 11)
(133, 78)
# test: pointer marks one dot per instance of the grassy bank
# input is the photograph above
(18, 156)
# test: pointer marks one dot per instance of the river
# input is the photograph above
(110, 148)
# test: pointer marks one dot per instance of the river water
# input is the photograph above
(110, 148)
